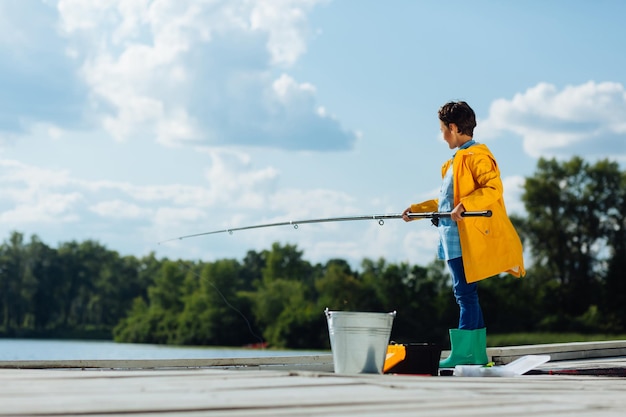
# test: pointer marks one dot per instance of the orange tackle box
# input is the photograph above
(412, 358)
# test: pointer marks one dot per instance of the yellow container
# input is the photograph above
(395, 355)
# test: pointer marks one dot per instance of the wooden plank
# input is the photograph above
(322, 363)
(237, 392)
(560, 351)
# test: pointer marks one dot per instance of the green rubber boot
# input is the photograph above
(469, 347)
(480, 347)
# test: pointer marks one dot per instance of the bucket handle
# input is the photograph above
(327, 313)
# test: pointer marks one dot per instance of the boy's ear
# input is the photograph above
(453, 128)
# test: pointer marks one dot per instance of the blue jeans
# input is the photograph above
(471, 315)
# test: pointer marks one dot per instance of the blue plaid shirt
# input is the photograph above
(449, 242)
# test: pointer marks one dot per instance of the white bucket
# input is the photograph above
(359, 340)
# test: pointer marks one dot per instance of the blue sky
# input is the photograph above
(132, 122)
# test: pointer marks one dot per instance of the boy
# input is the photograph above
(478, 247)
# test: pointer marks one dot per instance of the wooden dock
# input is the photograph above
(306, 387)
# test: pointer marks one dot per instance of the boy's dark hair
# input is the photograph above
(459, 113)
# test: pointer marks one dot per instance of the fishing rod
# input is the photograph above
(434, 215)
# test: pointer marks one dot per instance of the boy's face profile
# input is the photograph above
(450, 134)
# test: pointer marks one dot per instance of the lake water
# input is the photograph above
(38, 349)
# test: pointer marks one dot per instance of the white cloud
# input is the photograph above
(117, 209)
(233, 193)
(287, 89)
(420, 245)
(285, 21)
(315, 203)
(169, 222)
(31, 177)
(43, 207)
(199, 72)
(35, 195)
(585, 119)
(233, 181)
(150, 73)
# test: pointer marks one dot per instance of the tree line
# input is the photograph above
(574, 233)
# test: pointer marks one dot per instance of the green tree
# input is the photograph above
(44, 299)
(286, 262)
(284, 312)
(339, 288)
(212, 313)
(421, 296)
(284, 302)
(136, 327)
(252, 269)
(615, 225)
(156, 320)
(569, 206)
(12, 268)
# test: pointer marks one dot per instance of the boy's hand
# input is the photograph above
(405, 215)
(457, 213)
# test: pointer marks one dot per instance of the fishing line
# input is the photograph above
(232, 307)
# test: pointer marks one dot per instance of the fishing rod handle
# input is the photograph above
(483, 213)
(438, 214)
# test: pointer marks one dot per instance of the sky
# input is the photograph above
(134, 122)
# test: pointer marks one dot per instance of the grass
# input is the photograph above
(517, 339)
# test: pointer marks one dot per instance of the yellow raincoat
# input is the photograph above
(490, 245)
